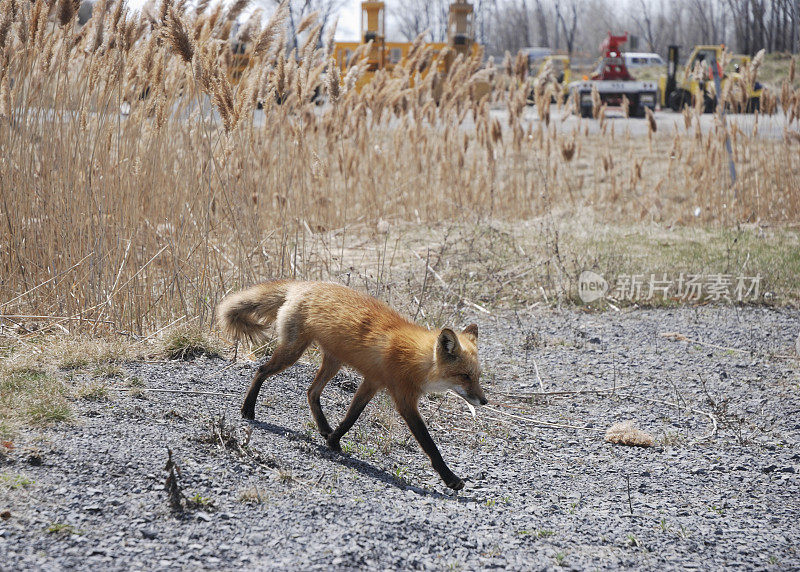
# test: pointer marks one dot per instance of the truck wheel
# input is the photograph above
(709, 104)
(678, 99)
(753, 104)
(635, 109)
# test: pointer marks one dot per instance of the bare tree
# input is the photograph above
(416, 16)
(568, 29)
(541, 19)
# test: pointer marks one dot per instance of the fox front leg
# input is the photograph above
(365, 392)
(411, 415)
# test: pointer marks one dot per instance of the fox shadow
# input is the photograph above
(351, 462)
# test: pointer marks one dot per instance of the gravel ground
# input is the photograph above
(536, 497)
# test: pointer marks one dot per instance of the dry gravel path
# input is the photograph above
(535, 497)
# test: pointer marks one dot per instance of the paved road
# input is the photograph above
(668, 122)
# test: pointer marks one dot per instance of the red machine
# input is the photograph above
(613, 65)
(613, 83)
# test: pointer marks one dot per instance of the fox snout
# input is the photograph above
(475, 397)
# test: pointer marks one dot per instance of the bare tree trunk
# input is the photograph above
(647, 28)
(541, 19)
(526, 28)
(569, 32)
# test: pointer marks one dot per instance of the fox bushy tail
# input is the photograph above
(247, 313)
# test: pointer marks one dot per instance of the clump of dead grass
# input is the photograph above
(188, 343)
(252, 495)
(624, 433)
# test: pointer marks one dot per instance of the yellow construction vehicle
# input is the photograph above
(696, 81)
(384, 55)
(238, 61)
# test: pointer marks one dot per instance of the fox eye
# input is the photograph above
(465, 377)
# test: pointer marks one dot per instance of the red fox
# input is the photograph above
(350, 328)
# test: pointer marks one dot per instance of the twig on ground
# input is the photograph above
(185, 391)
(711, 417)
(630, 503)
(557, 393)
(537, 422)
(541, 383)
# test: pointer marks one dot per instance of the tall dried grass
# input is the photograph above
(137, 220)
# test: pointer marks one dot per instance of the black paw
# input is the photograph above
(333, 444)
(248, 412)
(456, 484)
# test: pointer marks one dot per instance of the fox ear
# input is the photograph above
(472, 332)
(448, 344)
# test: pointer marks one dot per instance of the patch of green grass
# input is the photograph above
(560, 558)
(199, 501)
(619, 252)
(32, 397)
(45, 412)
(717, 509)
(6, 431)
(774, 70)
(501, 500)
(15, 481)
(671, 439)
(544, 533)
(136, 386)
(400, 472)
(554, 254)
(61, 528)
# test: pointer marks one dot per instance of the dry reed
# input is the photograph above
(141, 217)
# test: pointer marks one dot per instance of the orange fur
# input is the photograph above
(391, 352)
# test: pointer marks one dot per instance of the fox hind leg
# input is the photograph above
(330, 366)
(285, 355)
